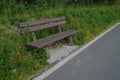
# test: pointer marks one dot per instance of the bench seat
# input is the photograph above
(51, 39)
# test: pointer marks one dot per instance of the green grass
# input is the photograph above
(17, 62)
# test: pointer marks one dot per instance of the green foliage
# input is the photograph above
(15, 60)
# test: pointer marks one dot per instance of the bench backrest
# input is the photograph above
(36, 25)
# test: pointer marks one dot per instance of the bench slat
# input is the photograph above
(44, 26)
(41, 21)
(51, 39)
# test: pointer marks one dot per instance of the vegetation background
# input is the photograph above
(89, 17)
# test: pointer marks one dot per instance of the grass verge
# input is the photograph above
(17, 62)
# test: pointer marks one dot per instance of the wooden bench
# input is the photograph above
(33, 26)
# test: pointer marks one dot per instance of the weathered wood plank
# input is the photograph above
(51, 39)
(44, 26)
(41, 21)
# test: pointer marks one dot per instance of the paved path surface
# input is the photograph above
(100, 61)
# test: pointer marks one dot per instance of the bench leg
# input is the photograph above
(70, 42)
(47, 52)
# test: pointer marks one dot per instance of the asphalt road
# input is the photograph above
(100, 61)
